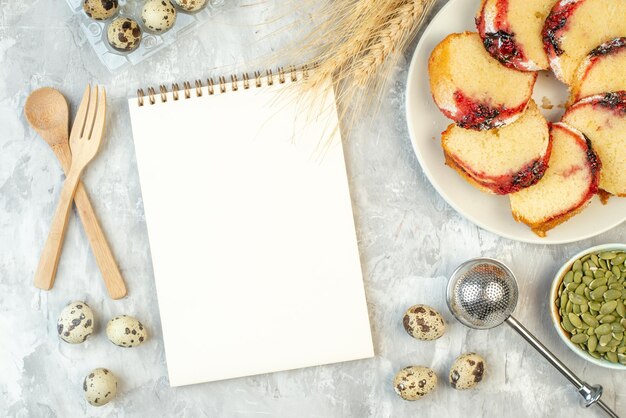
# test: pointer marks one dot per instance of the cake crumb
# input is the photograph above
(546, 103)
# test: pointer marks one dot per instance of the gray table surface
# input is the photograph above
(409, 238)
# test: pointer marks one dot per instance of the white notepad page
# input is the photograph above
(251, 233)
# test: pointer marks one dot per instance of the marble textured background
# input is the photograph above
(409, 238)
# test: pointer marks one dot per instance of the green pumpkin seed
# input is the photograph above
(595, 306)
(621, 350)
(601, 349)
(568, 307)
(622, 322)
(607, 319)
(567, 325)
(590, 320)
(616, 271)
(590, 331)
(578, 277)
(569, 277)
(605, 339)
(571, 286)
(587, 278)
(575, 320)
(621, 358)
(608, 307)
(598, 274)
(602, 264)
(617, 328)
(612, 357)
(621, 309)
(577, 299)
(595, 355)
(592, 343)
(619, 259)
(585, 258)
(612, 294)
(608, 274)
(619, 336)
(580, 290)
(616, 286)
(579, 338)
(598, 292)
(576, 309)
(602, 329)
(608, 255)
(578, 265)
(594, 259)
(583, 308)
(601, 281)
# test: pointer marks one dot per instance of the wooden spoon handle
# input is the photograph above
(49, 260)
(110, 272)
(99, 244)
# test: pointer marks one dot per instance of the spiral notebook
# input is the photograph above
(250, 225)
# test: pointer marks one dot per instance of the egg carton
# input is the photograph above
(114, 60)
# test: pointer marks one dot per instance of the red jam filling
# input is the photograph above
(608, 48)
(555, 24)
(615, 101)
(501, 44)
(480, 116)
(511, 183)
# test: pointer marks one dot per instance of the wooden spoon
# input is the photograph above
(47, 112)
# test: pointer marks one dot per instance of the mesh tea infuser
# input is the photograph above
(482, 294)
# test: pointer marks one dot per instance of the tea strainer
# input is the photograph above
(482, 294)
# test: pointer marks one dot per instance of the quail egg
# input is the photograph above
(100, 9)
(124, 34)
(126, 331)
(414, 382)
(100, 387)
(75, 323)
(158, 15)
(423, 322)
(190, 5)
(466, 371)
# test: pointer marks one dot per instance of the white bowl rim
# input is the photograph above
(554, 314)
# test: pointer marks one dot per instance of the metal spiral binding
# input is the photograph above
(290, 72)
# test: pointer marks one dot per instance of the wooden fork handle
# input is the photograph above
(99, 245)
(110, 272)
(49, 260)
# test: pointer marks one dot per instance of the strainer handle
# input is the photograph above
(591, 394)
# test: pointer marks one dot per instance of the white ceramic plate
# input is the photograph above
(426, 124)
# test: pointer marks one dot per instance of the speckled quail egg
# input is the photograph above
(423, 322)
(158, 15)
(190, 5)
(75, 322)
(466, 371)
(126, 331)
(100, 387)
(414, 382)
(100, 9)
(124, 34)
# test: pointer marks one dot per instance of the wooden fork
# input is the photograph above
(85, 139)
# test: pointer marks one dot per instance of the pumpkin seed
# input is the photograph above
(621, 309)
(595, 306)
(608, 307)
(602, 264)
(607, 319)
(617, 328)
(590, 320)
(605, 339)
(585, 257)
(621, 350)
(603, 329)
(616, 286)
(595, 355)
(577, 299)
(567, 325)
(569, 277)
(621, 358)
(607, 255)
(576, 309)
(601, 281)
(601, 349)
(616, 272)
(618, 259)
(619, 336)
(590, 331)
(580, 338)
(583, 308)
(594, 259)
(598, 274)
(598, 292)
(612, 357)
(578, 276)
(575, 320)
(612, 294)
(592, 343)
(571, 286)
(578, 265)
(587, 278)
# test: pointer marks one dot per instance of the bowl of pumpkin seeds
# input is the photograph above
(588, 305)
